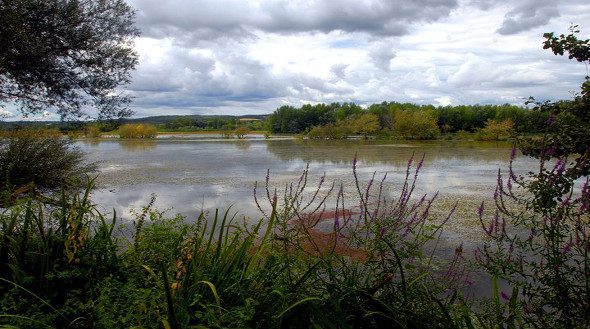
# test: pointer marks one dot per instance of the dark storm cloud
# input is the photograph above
(211, 19)
(528, 15)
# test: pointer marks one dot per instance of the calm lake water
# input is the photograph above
(201, 173)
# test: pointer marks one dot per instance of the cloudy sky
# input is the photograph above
(252, 56)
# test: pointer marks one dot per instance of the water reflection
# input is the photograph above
(218, 173)
(243, 144)
(138, 145)
(395, 153)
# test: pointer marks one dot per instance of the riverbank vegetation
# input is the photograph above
(406, 121)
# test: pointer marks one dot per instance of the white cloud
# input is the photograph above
(444, 101)
(230, 56)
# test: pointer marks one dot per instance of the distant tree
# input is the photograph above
(241, 131)
(494, 130)
(366, 124)
(415, 125)
(66, 55)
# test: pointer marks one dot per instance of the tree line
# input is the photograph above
(402, 119)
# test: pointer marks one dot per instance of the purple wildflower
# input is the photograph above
(566, 248)
(420, 164)
(565, 202)
(480, 210)
(560, 166)
(513, 153)
(505, 296)
(382, 231)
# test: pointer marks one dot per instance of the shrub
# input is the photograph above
(36, 161)
(494, 131)
(415, 125)
(366, 124)
(137, 130)
(329, 131)
(92, 131)
(241, 131)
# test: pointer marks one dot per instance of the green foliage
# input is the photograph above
(50, 256)
(92, 131)
(415, 125)
(84, 55)
(38, 161)
(137, 130)
(365, 124)
(538, 238)
(329, 131)
(241, 131)
(495, 131)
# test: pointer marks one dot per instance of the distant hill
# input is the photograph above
(159, 119)
(163, 119)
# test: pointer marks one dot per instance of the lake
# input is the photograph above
(194, 173)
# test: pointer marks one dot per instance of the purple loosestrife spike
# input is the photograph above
(566, 248)
(550, 151)
(480, 210)
(496, 222)
(565, 202)
(505, 296)
(410, 161)
(420, 165)
(511, 173)
(382, 231)
(513, 153)
(550, 120)
(560, 166)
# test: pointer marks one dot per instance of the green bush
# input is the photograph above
(37, 161)
(495, 131)
(415, 125)
(241, 132)
(137, 130)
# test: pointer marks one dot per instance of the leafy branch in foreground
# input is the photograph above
(539, 235)
(66, 56)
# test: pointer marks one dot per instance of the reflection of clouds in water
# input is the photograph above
(186, 200)
(197, 175)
